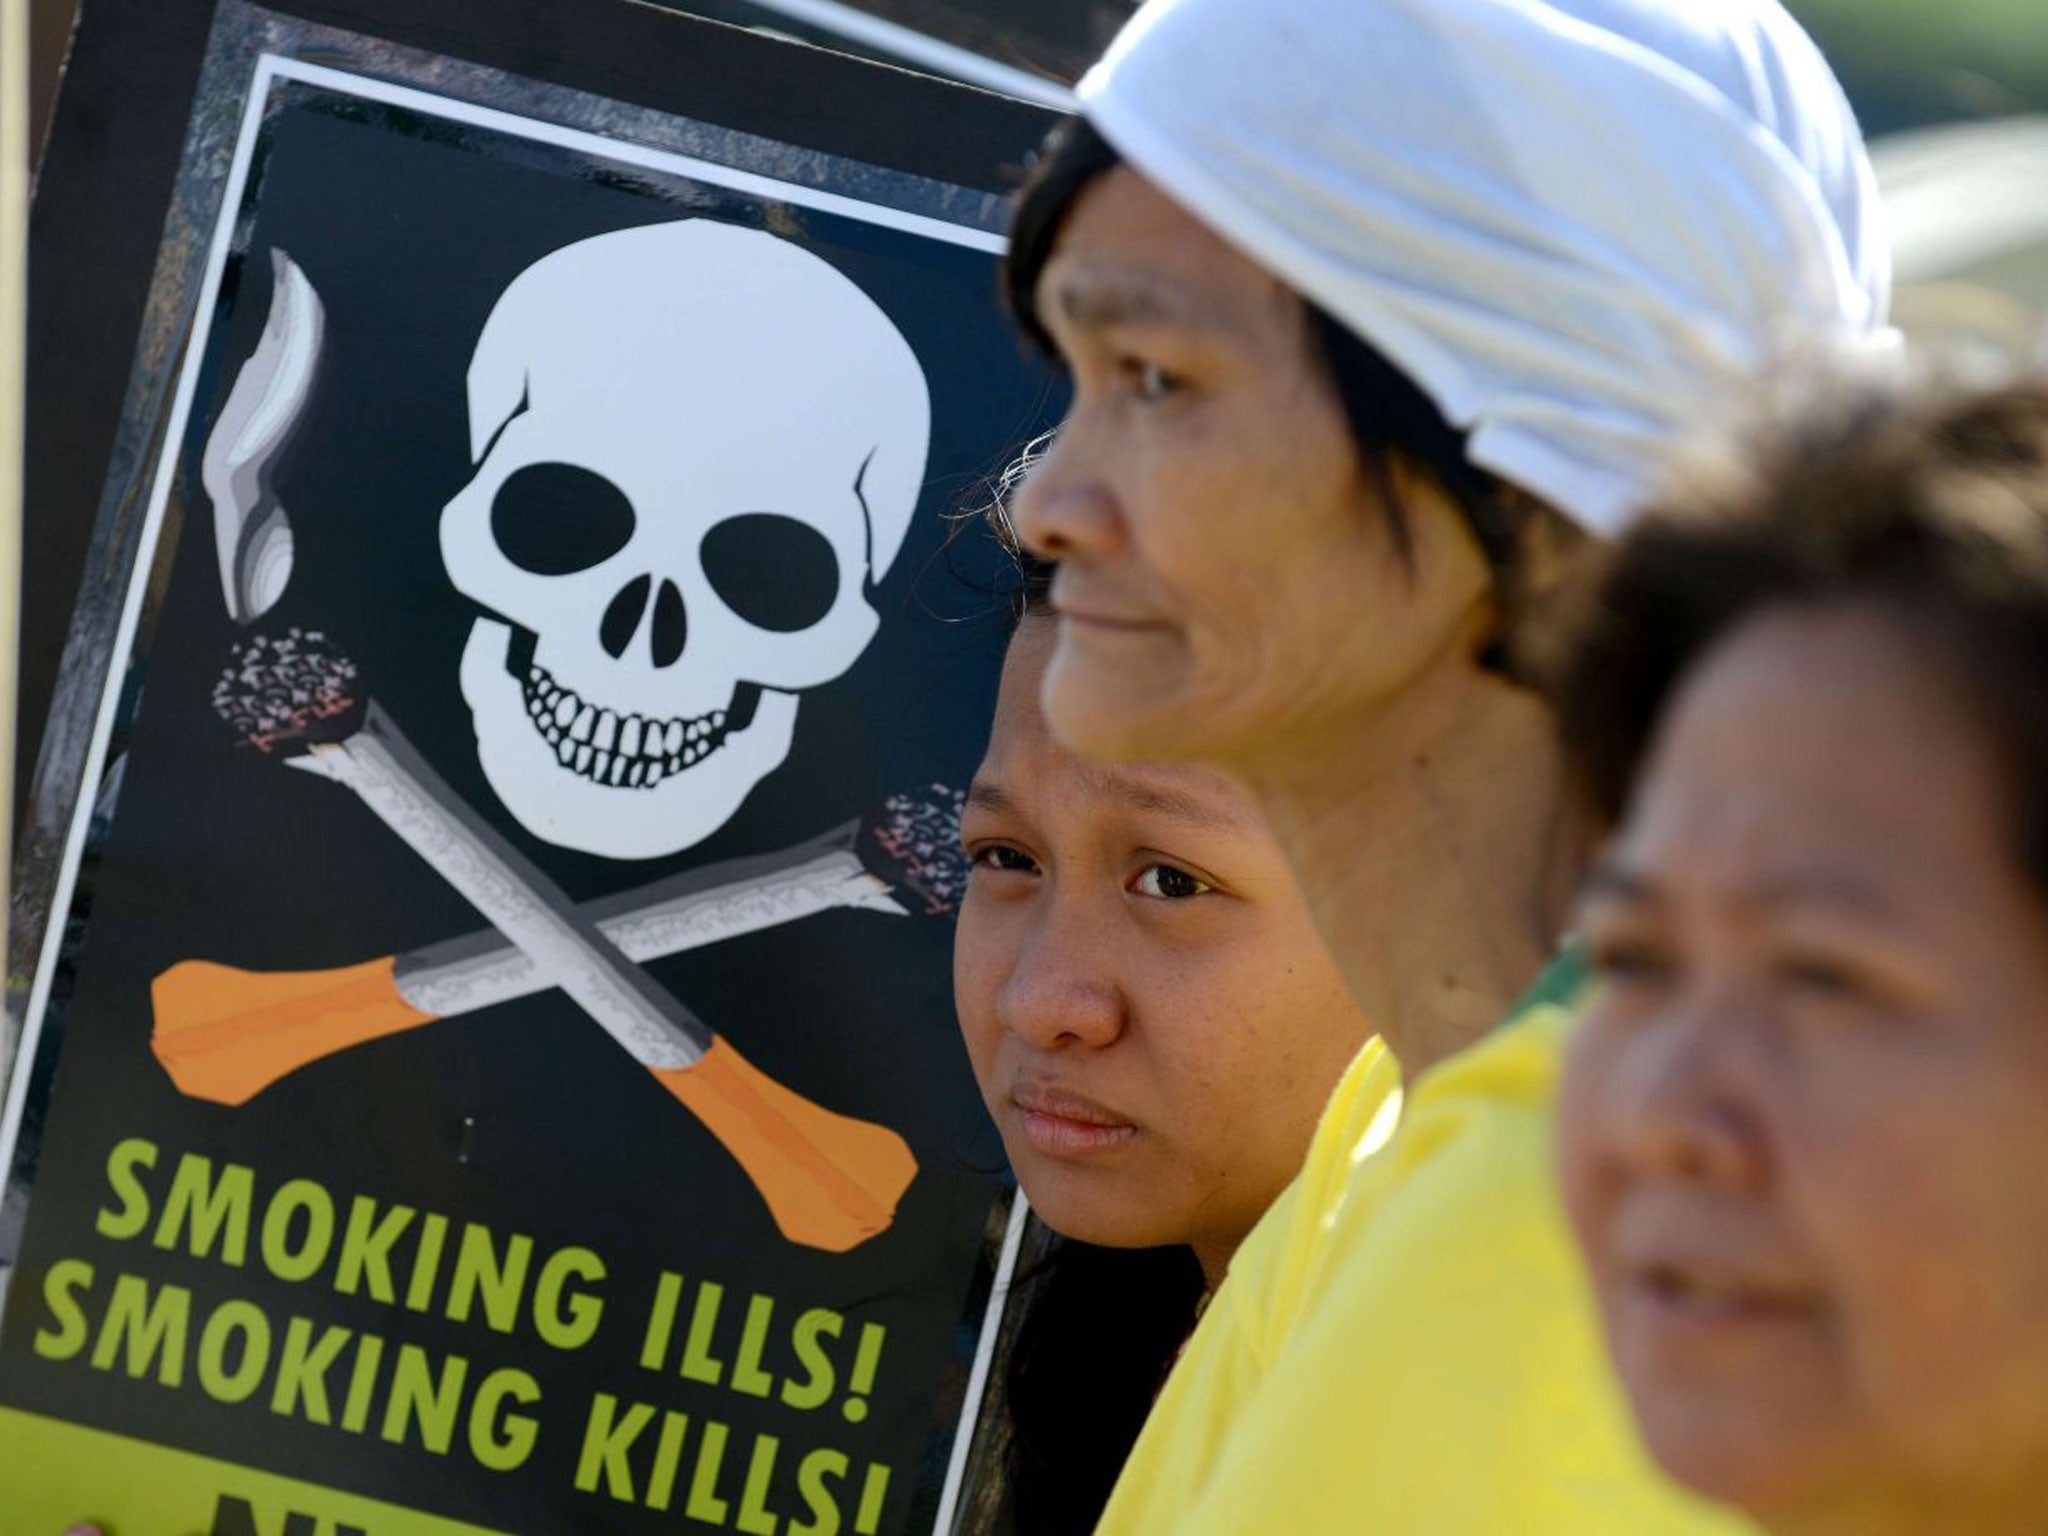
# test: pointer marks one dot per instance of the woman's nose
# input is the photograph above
(1681, 1106)
(1064, 992)
(1064, 509)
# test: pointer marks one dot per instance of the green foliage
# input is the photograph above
(1912, 62)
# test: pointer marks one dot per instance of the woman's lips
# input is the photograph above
(1083, 610)
(1063, 1124)
(1695, 1304)
(1104, 620)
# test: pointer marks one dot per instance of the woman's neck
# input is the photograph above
(1434, 846)
(1214, 1255)
(2015, 1507)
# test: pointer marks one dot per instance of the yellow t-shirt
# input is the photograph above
(1405, 1345)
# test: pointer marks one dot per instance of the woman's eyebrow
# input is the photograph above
(1764, 891)
(1101, 301)
(984, 794)
(1831, 889)
(1173, 804)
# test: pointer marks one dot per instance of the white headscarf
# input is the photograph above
(1582, 227)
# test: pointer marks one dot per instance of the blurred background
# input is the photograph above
(1954, 94)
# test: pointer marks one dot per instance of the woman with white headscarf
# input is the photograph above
(1373, 312)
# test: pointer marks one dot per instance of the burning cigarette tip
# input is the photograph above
(297, 688)
(920, 831)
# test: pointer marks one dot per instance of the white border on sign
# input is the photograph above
(270, 70)
(984, 1355)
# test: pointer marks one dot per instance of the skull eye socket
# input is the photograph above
(558, 519)
(773, 571)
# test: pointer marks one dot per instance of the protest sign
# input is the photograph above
(491, 1063)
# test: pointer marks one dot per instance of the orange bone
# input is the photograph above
(829, 1181)
(225, 1034)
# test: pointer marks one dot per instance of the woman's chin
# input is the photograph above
(1760, 1461)
(1110, 1232)
(1088, 1212)
(1102, 708)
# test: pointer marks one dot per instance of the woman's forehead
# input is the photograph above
(1197, 800)
(1812, 749)
(1129, 255)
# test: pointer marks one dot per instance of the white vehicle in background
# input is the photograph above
(1968, 204)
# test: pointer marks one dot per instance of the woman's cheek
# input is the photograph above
(1582, 1130)
(977, 981)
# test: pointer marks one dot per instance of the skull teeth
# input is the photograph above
(628, 751)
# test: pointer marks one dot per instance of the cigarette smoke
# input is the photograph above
(920, 831)
(279, 690)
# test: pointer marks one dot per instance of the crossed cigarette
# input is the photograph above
(225, 1034)
(829, 1181)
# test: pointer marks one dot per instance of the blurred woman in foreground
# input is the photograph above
(1806, 1122)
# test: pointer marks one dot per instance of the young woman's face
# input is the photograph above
(1152, 1019)
(1805, 1126)
(1229, 582)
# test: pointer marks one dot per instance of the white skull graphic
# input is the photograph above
(696, 445)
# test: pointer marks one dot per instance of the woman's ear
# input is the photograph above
(1555, 564)
(1553, 548)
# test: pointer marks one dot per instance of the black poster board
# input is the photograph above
(545, 1114)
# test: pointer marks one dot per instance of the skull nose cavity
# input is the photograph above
(668, 631)
(622, 614)
(671, 626)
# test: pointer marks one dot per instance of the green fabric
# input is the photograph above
(1561, 985)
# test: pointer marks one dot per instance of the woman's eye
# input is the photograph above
(1629, 961)
(1149, 381)
(1167, 883)
(1819, 976)
(1003, 857)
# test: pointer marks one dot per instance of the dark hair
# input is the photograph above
(1029, 587)
(1099, 1331)
(1933, 512)
(1387, 413)
(1073, 156)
